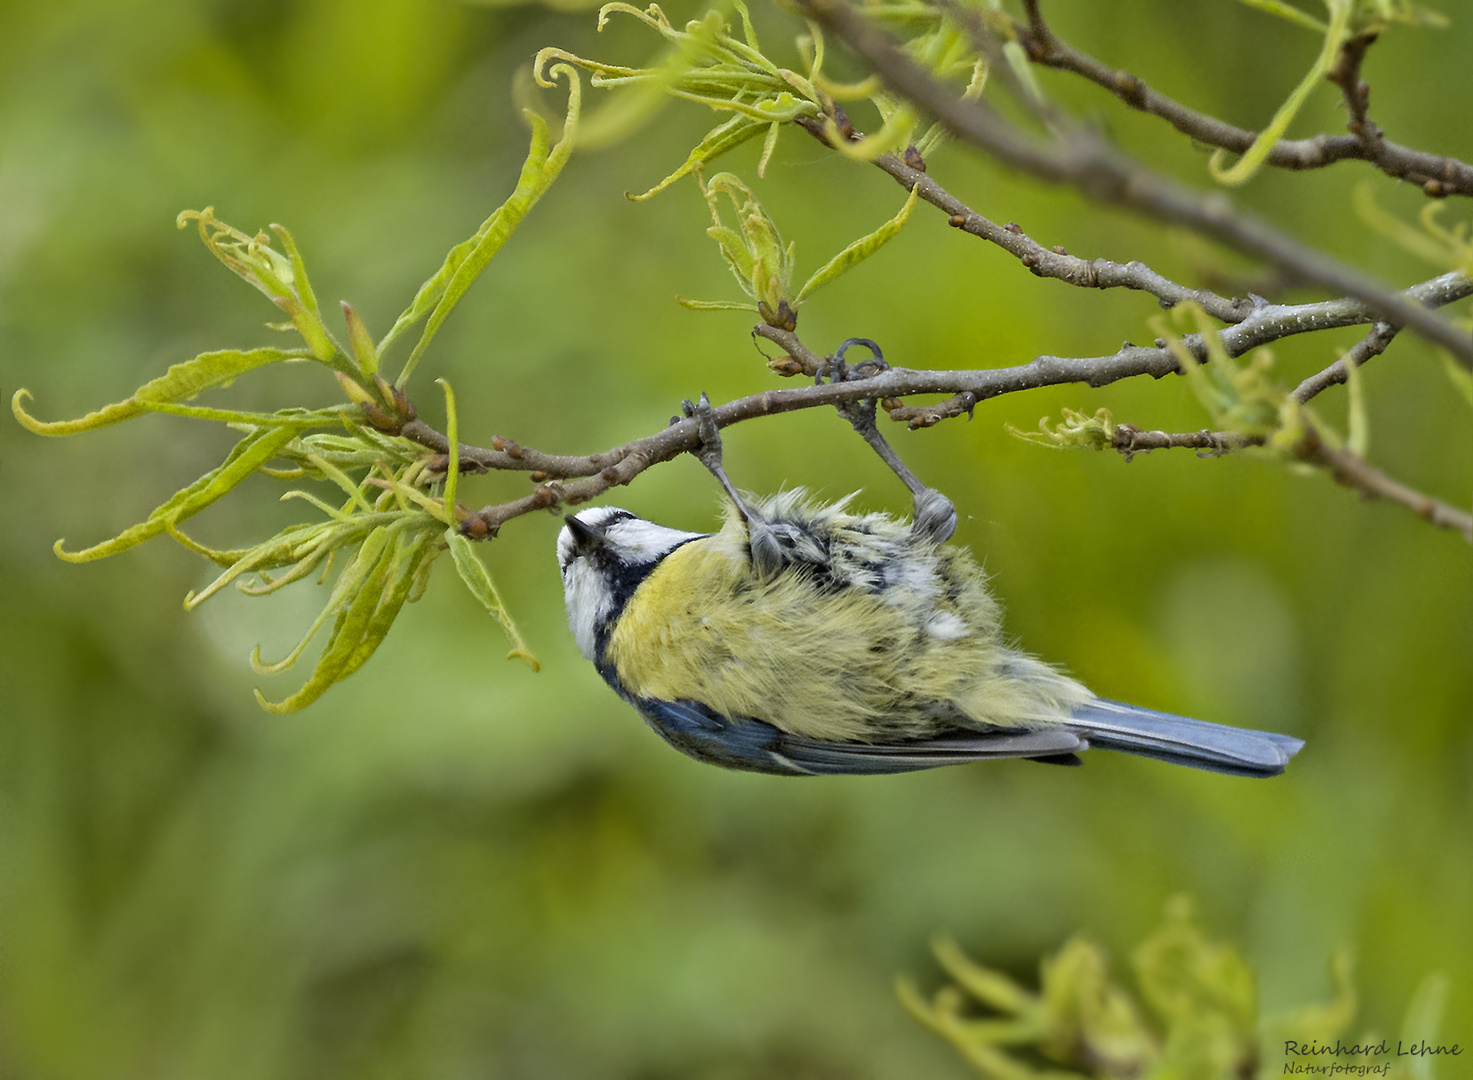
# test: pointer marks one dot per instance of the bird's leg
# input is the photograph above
(766, 551)
(709, 452)
(935, 517)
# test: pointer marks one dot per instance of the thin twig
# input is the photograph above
(1085, 162)
(1130, 440)
(1346, 75)
(1268, 323)
(504, 453)
(1436, 175)
(1347, 468)
(1355, 472)
(1373, 344)
(1043, 261)
(573, 479)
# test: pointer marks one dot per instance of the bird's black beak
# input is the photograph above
(585, 536)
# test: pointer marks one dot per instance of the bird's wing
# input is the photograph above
(756, 746)
(1056, 745)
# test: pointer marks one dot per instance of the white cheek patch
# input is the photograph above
(946, 626)
(565, 546)
(589, 603)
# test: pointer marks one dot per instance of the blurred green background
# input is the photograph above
(453, 868)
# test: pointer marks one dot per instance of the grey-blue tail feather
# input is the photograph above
(1196, 743)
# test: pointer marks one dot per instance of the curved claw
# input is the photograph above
(709, 452)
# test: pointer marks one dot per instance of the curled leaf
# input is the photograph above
(1077, 431)
(281, 277)
(709, 66)
(180, 383)
(1254, 157)
(754, 250)
(354, 599)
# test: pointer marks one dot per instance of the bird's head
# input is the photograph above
(604, 553)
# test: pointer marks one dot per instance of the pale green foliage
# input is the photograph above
(464, 263)
(858, 251)
(763, 266)
(1348, 19)
(1240, 396)
(1451, 248)
(754, 250)
(391, 525)
(708, 65)
(180, 382)
(934, 41)
(1077, 431)
(1194, 1013)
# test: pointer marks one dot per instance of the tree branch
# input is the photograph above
(1046, 262)
(1347, 468)
(1084, 161)
(573, 479)
(1353, 471)
(1130, 440)
(1436, 175)
(1373, 344)
(1268, 323)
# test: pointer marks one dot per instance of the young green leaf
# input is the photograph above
(354, 600)
(473, 573)
(180, 383)
(720, 139)
(1423, 1021)
(439, 295)
(299, 268)
(282, 278)
(248, 455)
(364, 351)
(1077, 431)
(708, 66)
(452, 434)
(858, 251)
(715, 305)
(300, 547)
(1289, 12)
(1254, 157)
(412, 548)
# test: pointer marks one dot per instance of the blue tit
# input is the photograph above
(805, 639)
